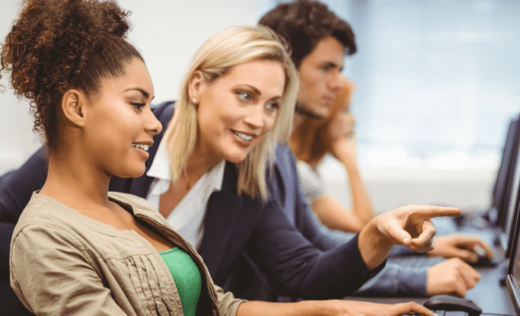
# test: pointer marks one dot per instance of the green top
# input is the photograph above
(187, 278)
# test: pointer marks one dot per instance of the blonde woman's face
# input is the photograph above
(236, 110)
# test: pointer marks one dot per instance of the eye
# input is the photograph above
(272, 106)
(246, 96)
(325, 68)
(138, 105)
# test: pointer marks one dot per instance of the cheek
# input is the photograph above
(269, 123)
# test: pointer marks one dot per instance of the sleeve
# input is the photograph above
(16, 189)
(60, 280)
(394, 280)
(312, 185)
(306, 221)
(304, 270)
(228, 304)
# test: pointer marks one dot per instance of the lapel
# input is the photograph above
(222, 214)
(283, 166)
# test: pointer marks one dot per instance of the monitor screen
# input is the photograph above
(513, 276)
(512, 175)
(513, 205)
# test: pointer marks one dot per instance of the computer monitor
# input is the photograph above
(505, 192)
(501, 178)
(513, 273)
(511, 212)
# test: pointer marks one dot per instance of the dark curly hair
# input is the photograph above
(303, 23)
(56, 45)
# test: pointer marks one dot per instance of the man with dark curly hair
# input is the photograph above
(319, 41)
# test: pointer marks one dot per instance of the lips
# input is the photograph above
(141, 146)
(244, 136)
(328, 100)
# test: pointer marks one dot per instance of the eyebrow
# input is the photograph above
(334, 64)
(144, 92)
(255, 90)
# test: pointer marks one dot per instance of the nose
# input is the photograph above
(336, 82)
(255, 116)
(152, 124)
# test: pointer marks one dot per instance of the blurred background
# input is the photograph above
(437, 84)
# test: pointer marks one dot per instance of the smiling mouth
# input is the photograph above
(245, 137)
(141, 146)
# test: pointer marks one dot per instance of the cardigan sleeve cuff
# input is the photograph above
(412, 282)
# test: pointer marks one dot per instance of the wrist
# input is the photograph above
(373, 245)
(349, 164)
(330, 307)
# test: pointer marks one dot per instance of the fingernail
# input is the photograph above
(406, 240)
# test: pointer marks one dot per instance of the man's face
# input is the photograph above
(320, 77)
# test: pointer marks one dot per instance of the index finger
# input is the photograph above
(429, 211)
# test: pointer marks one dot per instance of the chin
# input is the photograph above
(236, 158)
(131, 172)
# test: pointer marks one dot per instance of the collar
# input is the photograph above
(160, 168)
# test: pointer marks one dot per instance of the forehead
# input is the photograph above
(328, 50)
(136, 76)
(262, 74)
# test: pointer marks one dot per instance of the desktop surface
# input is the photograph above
(488, 294)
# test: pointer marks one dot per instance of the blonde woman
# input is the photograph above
(206, 177)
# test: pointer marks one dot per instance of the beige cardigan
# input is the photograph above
(64, 263)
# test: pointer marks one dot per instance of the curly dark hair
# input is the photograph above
(56, 45)
(303, 23)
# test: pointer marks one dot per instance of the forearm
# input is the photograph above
(395, 280)
(315, 308)
(361, 205)
(373, 246)
(336, 216)
(300, 267)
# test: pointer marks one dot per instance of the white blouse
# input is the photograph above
(187, 218)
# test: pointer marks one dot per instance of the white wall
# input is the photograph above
(166, 32)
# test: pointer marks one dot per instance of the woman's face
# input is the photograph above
(342, 124)
(120, 125)
(237, 109)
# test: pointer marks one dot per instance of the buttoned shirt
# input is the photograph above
(187, 218)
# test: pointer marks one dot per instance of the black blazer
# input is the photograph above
(237, 229)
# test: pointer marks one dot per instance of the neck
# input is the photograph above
(298, 118)
(198, 164)
(73, 182)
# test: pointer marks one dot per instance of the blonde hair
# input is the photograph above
(310, 140)
(228, 48)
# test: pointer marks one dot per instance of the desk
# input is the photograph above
(487, 294)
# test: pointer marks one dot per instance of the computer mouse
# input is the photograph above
(452, 303)
(484, 261)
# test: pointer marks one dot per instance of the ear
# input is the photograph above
(73, 106)
(196, 86)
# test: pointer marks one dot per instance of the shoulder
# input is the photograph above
(138, 205)
(43, 210)
(164, 111)
(283, 151)
(305, 171)
(45, 223)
